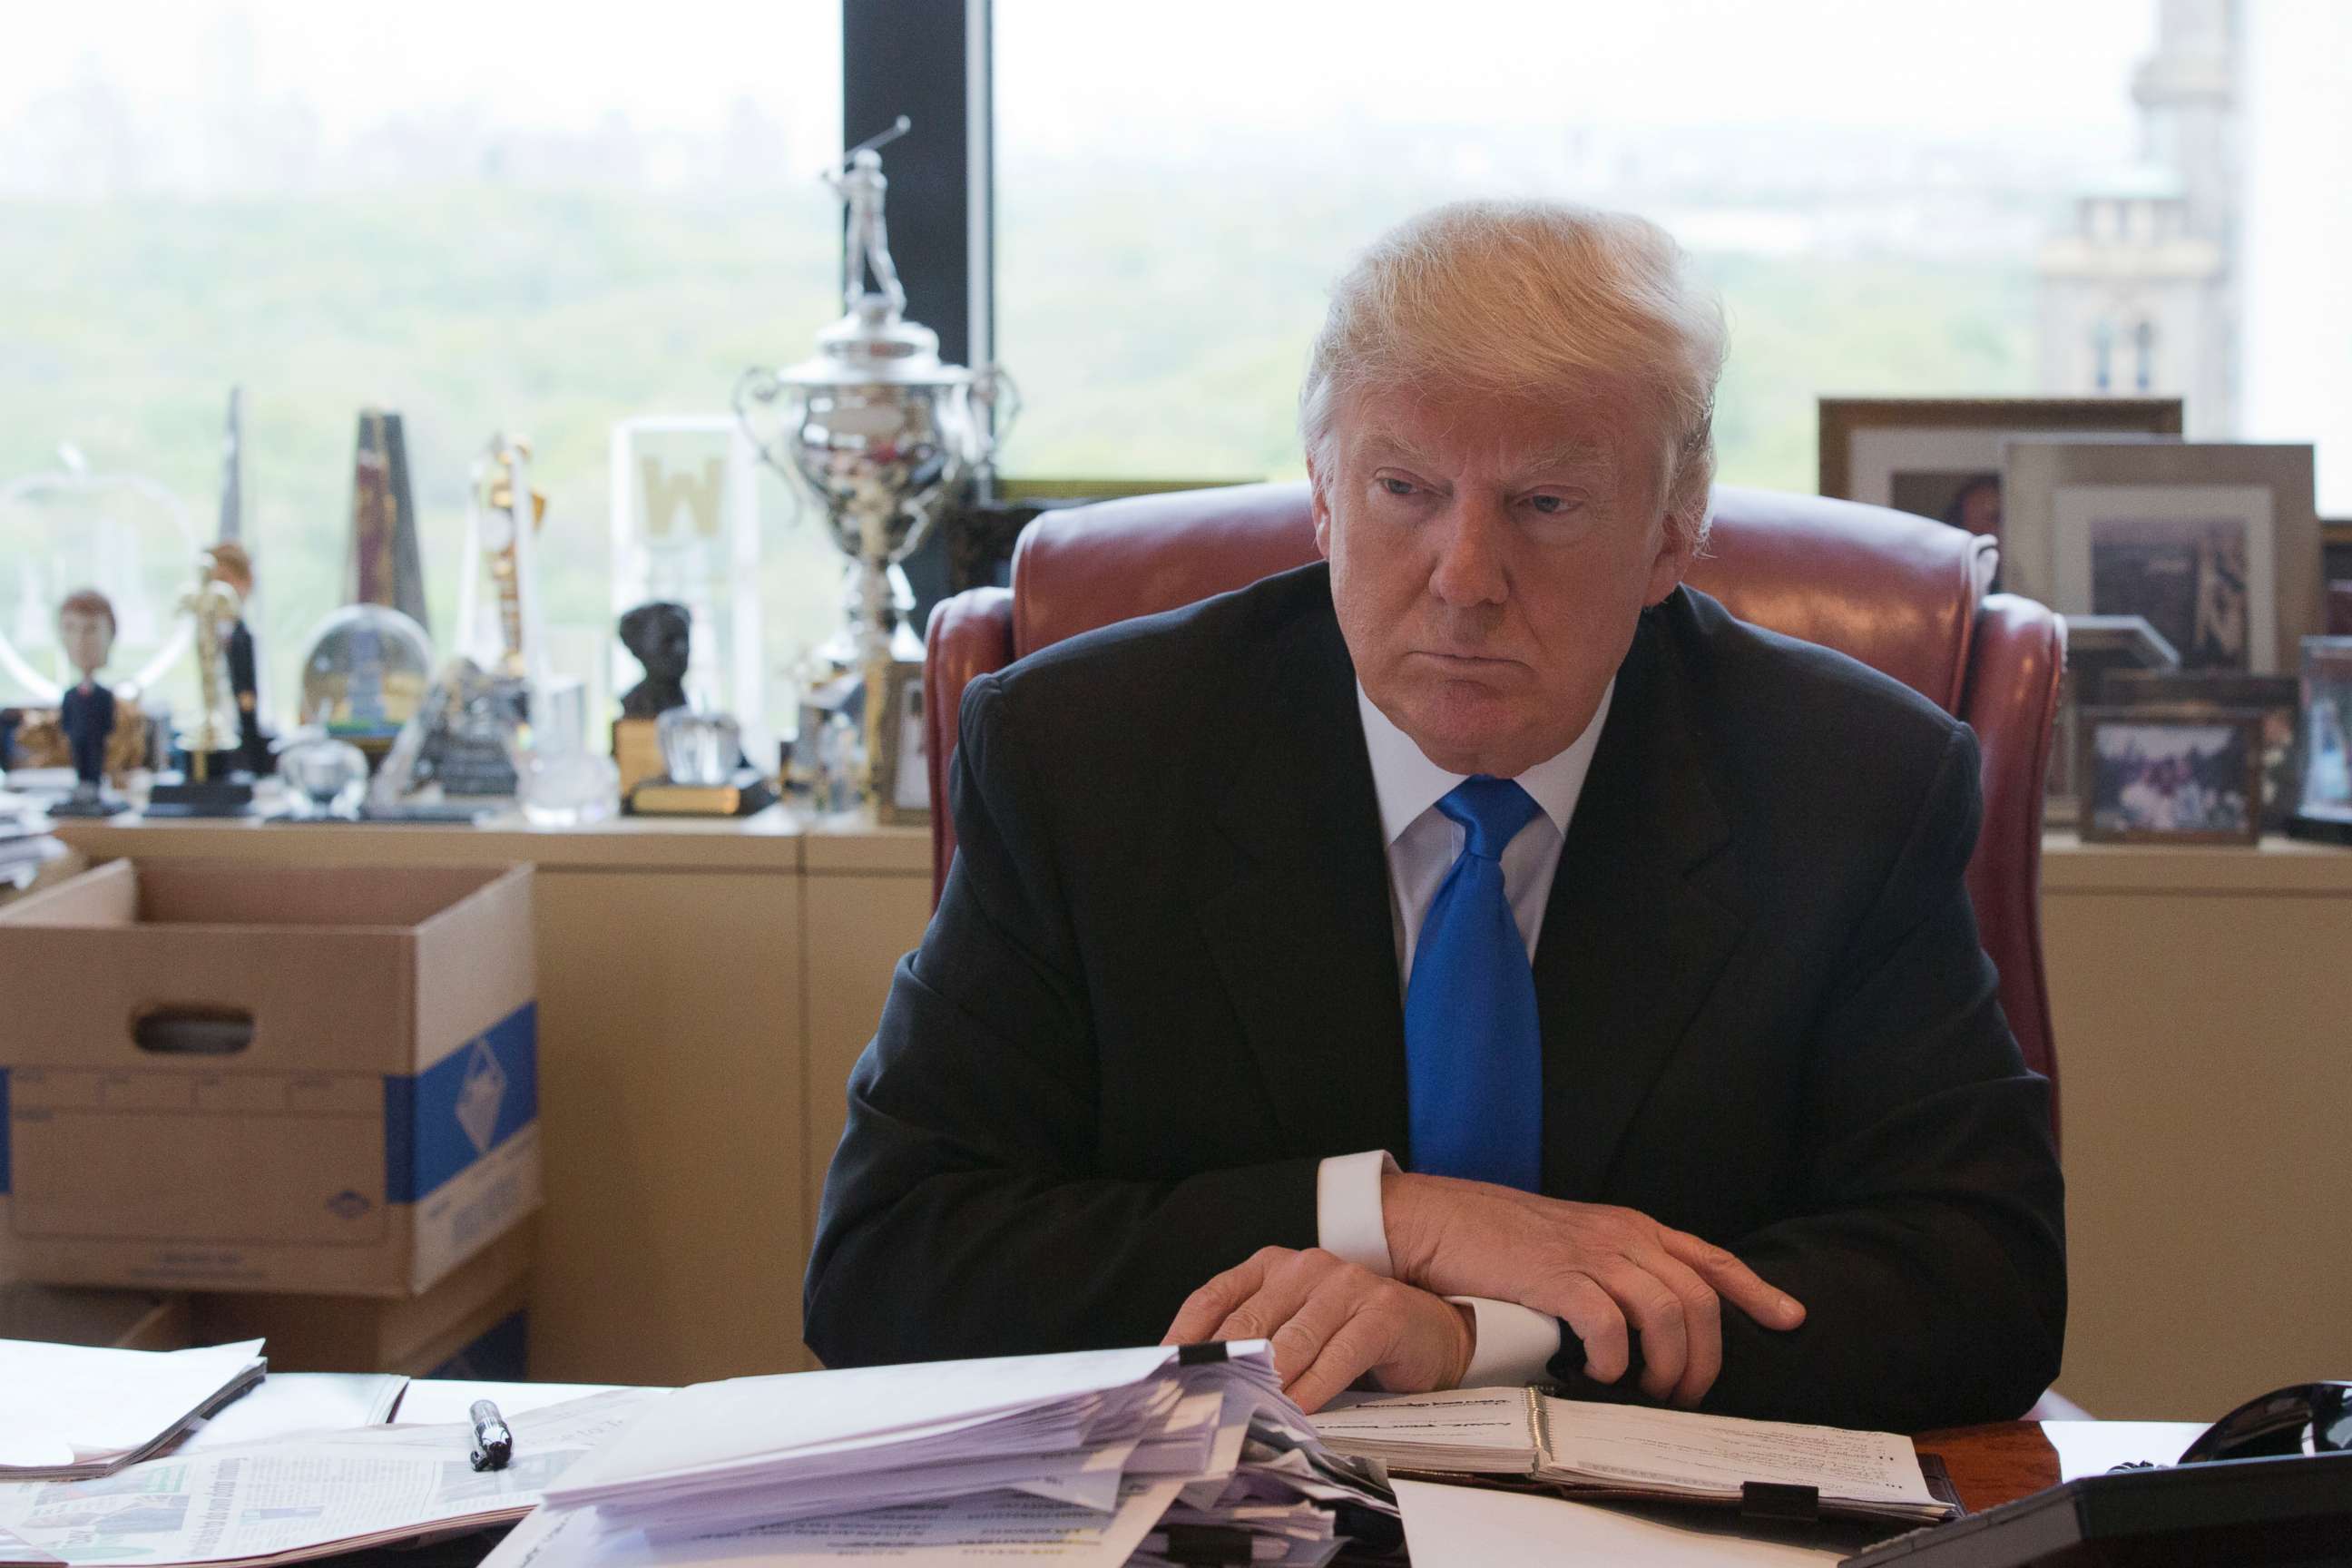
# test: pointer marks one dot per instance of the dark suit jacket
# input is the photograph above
(1161, 985)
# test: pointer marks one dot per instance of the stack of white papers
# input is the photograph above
(72, 1411)
(293, 1402)
(1157, 1455)
(288, 1499)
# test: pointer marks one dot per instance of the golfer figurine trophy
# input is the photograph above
(882, 430)
(210, 782)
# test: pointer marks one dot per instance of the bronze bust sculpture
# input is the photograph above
(661, 636)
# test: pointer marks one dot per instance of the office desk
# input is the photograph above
(1990, 1464)
(2006, 1460)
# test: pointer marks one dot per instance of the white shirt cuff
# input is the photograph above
(1515, 1344)
(1348, 1218)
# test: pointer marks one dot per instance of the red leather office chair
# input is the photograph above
(1903, 594)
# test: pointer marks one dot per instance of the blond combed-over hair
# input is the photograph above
(1531, 299)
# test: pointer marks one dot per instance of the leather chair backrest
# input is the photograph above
(1901, 593)
(1897, 591)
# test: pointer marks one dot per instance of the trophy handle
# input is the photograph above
(994, 389)
(763, 386)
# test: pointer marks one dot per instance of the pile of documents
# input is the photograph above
(1579, 1448)
(1157, 1455)
(73, 1412)
(292, 1497)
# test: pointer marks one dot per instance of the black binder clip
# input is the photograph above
(1769, 1502)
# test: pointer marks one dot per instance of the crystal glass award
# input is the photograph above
(324, 777)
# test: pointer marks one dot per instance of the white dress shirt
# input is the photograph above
(1516, 1344)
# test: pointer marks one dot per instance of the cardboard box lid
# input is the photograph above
(368, 968)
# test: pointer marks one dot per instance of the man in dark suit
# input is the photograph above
(1476, 956)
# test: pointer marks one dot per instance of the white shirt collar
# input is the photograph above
(1408, 783)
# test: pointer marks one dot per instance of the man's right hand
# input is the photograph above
(1606, 1272)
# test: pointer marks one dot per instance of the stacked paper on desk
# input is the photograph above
(69, 1411)
(1092, 1457)
(295, 1402)
(288, 1499)
(1586, 1449)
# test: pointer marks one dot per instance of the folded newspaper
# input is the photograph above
(1153, 1456)
(1583, 1449)
(288, 1499)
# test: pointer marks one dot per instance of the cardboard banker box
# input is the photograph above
(232, 1078)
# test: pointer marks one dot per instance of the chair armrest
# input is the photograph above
(2012, 703)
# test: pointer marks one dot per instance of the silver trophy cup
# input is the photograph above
(884, 435)
(875, 425)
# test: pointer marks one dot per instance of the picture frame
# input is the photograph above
(1940, 458)
(2095, 645)
(2277, 697)
(2323, 736)
(2335, 568)
(2216, 542)
(2169, 775)
(901, 777)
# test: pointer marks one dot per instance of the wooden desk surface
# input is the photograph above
(2006, 1460)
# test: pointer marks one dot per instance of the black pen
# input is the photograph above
(493, 1443)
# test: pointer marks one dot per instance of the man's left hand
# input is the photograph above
(1331, 1322)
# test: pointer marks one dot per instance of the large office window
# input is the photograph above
(1869, 187)
(522, 217)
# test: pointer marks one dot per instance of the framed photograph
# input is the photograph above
(2170, 775)
(2276, 697)
(1941, 456)
(2325, 793)
(902, 775)
(2095, 645)
(2335, 566)
(2215, 544)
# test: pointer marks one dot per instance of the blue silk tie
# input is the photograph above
(1473, 1048)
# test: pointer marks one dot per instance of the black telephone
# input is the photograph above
(2302, 1418)
(2269, 1483)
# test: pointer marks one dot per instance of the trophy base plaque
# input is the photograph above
(96, 805)
(636, 753)
(173, 796)
(748, 792)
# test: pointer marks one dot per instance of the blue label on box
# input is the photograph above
(442, 1119)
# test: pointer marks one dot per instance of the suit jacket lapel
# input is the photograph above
(1633, 935)
(1293, 896)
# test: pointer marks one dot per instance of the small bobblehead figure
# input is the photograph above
(86, 711)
